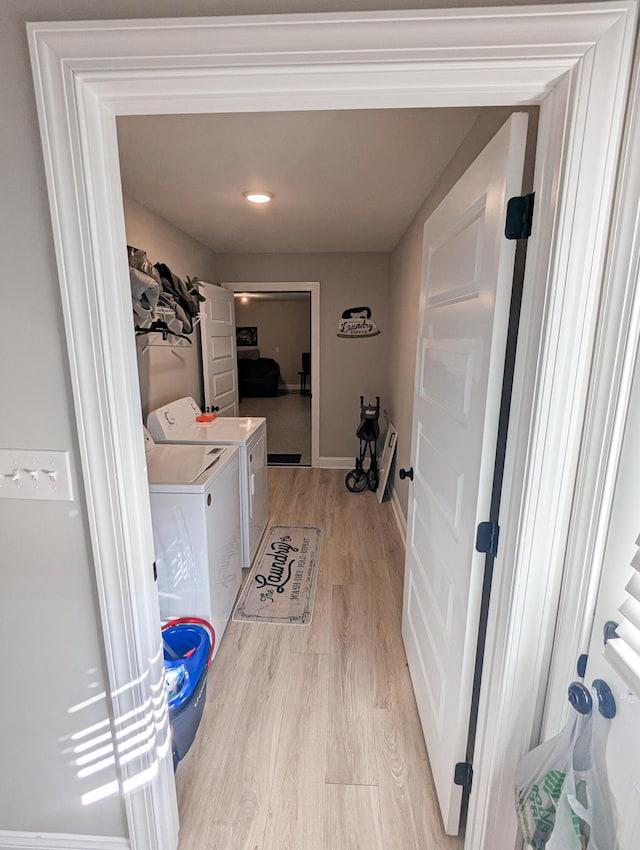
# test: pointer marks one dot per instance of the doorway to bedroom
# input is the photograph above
(273, 343)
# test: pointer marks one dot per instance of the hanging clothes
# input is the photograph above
(173, 287)
(145, 294)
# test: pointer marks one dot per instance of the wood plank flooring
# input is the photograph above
(310, 738)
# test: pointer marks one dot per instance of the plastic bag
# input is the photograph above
(540, 778)
(174, 678)
(562, 798)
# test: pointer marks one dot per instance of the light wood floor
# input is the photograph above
(311, 738)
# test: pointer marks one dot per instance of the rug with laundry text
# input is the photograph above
(282, 582)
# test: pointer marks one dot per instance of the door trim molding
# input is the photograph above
(297, 286)
(616, 351)
(573, 60)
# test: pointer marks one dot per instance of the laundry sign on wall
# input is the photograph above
(357, 322)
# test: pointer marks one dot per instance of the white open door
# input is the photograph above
(464, 313)
(219, 364)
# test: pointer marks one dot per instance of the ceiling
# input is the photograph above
(344, 180)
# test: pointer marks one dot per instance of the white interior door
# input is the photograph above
(465, 295)
(619, 663)
(219, 364)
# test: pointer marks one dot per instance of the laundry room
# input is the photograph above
(312, 733)
(337, 271)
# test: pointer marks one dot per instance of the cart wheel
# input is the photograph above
(356, 481)
(374, 478)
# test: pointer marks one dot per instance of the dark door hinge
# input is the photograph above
(487, 538)
(582, 665)
(155, 572)
(519, 217)
(610, 631)
(463, 774)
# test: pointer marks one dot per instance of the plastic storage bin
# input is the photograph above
(187, 651)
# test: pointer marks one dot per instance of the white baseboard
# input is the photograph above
(336, 462)
(10, 840)
(399, 515)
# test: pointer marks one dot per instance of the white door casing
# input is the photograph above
(219, 364)
(467, 272)
(607, 520)
(617, 343)
(574, 61)
(622, 763)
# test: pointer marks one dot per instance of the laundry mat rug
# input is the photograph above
(282, 582)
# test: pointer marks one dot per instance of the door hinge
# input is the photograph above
(487, 538)
(581, 666)
(610, 631)
(519, 217)
(463, 774)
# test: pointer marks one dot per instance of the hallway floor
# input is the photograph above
(310, 739)
(288, 423)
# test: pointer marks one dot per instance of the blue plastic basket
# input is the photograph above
(191, 644)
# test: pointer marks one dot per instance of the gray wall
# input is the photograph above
(167, 374)
(48, 607)
(406, 262)
(284, 331)
(50, 633)
(349, 368)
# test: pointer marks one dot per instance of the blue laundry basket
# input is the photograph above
(187, 653)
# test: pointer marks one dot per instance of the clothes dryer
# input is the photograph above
(195, 511)
(176, 423)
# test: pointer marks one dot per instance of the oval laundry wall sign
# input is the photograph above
(357, 322)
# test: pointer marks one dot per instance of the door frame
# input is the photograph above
(575, 61)
(313, 287)
(615, 355)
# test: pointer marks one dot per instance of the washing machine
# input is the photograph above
(176, 423)
(195, 512)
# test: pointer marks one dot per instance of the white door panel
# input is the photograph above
(219, 365)
(465, 298)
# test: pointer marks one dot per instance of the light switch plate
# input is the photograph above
(35, 474)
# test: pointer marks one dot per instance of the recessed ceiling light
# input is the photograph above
(258, 197)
